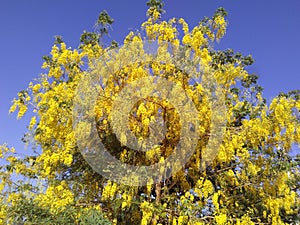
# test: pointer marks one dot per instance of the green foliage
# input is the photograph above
(155, 5)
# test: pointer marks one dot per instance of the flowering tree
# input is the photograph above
(251, 179)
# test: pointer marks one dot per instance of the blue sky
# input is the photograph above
(268, 30)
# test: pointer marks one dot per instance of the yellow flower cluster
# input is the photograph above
(109, 191)
(185, 26)
(163, 31)
(127, 199)
(221, 25)
(20, 104)
(221, 219)
(147, 210)
(204, 188)
(56, 197)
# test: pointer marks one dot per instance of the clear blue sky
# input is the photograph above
(268, 30)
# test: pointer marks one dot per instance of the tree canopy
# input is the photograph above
(250, 177)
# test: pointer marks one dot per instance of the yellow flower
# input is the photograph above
(32, 122)
(221, 219)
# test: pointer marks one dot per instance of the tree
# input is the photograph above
(250, 177)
